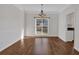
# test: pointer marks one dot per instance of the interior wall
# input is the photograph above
(30, 24)
(11, 25)
(62, 26)
(63, 23)
(70, 20)
(76, 42)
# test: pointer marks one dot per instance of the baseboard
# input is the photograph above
(62, 39)
(76, 49)
(9, 45)
(70, 41)
(39, 36)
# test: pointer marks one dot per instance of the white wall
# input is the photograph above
(53, 25)
(70, 20)
(76, 42)
(30, 24)
(62, 26)
(63, 22)
(11, 24)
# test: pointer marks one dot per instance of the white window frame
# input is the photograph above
(36, 27)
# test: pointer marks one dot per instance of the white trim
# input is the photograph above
(76, 49)
(42, 29)
(62, 39)
(41, 36)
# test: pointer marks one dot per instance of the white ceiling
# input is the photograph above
(47, 7)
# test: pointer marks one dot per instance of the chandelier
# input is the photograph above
(41, 14)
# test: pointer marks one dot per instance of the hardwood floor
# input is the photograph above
(41, 46)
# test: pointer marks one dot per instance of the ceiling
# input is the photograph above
(47, 7)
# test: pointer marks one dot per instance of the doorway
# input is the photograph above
(41, 26)
(70, 34)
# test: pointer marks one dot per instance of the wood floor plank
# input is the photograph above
(41, 46)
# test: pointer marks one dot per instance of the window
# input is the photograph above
(41, 26)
